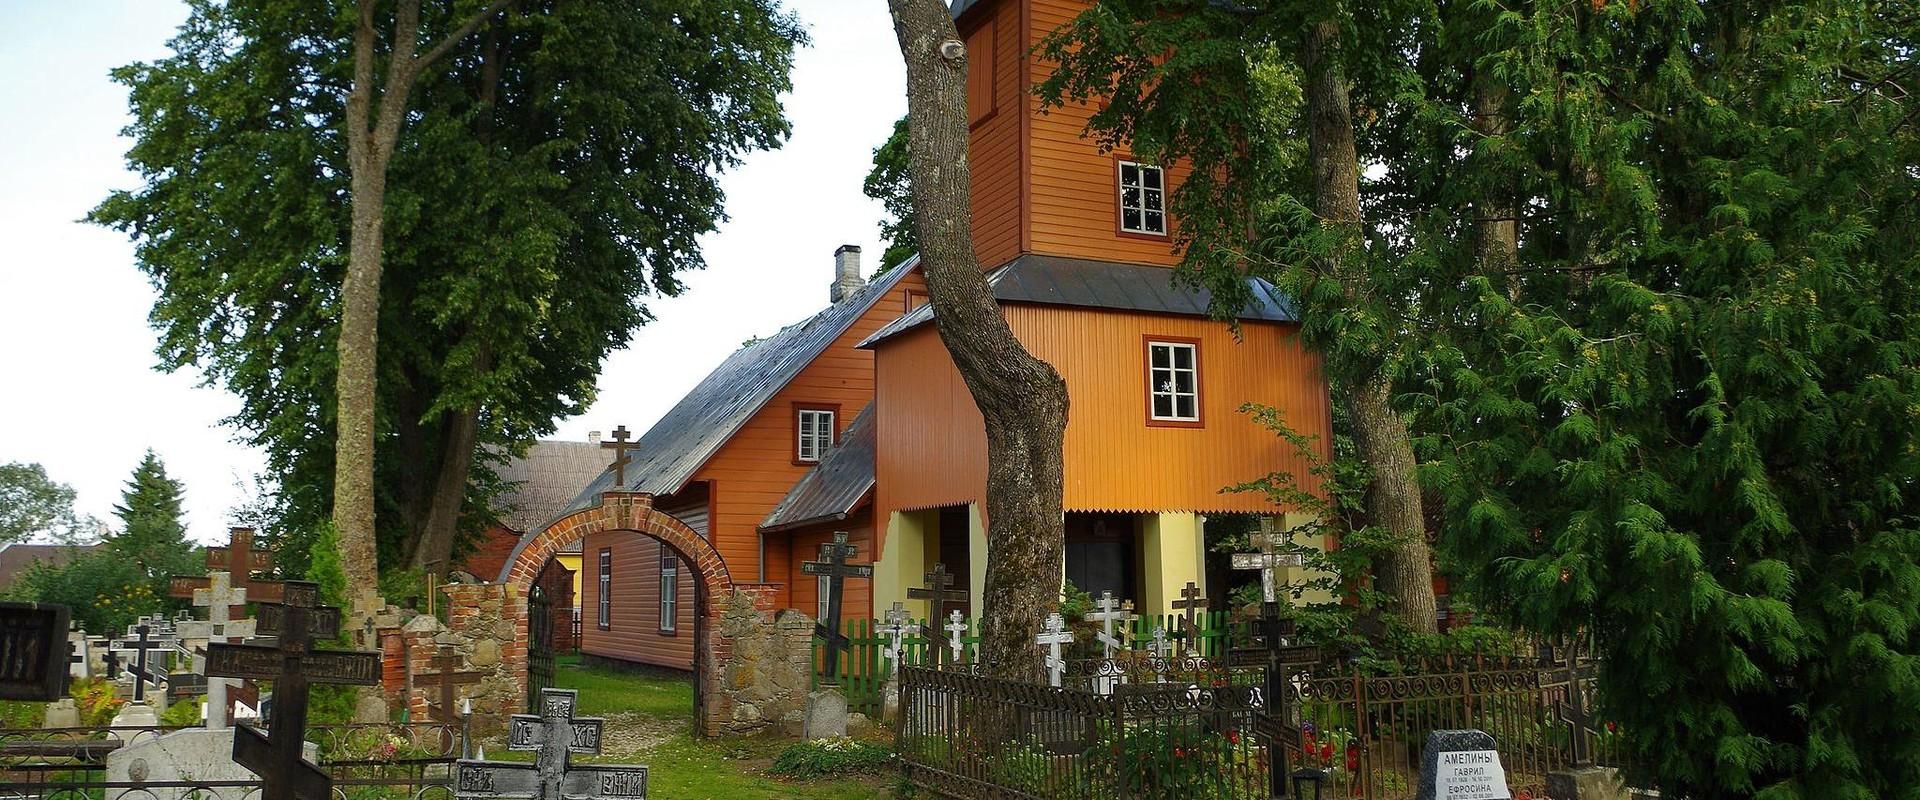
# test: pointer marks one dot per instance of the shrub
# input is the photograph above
(830, 757)
(184, 713)
(96, 701)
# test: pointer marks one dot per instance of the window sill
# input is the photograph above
(1175, 423)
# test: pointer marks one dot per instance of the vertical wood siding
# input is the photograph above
(994, 145)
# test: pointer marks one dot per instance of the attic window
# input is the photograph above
(1143, 199)
(814, 428)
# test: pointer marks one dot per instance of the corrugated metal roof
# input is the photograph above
(546, 480)
(695, 428)
(835, 486)
(1057, 280)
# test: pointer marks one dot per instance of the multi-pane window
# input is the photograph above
(1143, 198)
(605, 610)
(1173, 391)
(816, 434)
(823, 590)
(669, 590)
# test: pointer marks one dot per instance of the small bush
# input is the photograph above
(831, 757)
(183, 713)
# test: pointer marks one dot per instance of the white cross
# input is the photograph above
(219, 595)
(1268, 560)
(896, 627)
(1161, 650)
(1109, 611)
(1052, 635)
(956, 628)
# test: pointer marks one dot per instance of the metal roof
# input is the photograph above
(545, 480)
(1058, 280)
(835, 486)
(695, 428)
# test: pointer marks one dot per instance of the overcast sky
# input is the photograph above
(78, 392)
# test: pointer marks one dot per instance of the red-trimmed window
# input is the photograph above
(1173, 382)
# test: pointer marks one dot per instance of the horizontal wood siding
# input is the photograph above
(857, 598)
(994, 147)
(755, 469)
(1072, 188)
(634, 633)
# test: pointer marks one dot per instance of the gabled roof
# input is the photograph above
(835, 487)
(17, 558)
(701, 423)
(1058, 280)
(545, 480)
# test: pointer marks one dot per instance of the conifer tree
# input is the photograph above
(153, 533)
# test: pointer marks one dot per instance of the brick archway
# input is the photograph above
(625, 511)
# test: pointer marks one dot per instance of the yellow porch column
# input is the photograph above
(902, 563)
(1172, 552)
(977, 560)
(1291, 521)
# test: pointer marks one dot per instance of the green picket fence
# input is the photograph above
(864, 671)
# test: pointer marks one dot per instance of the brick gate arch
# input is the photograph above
(624, 511)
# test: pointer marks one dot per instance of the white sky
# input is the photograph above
(78, 392)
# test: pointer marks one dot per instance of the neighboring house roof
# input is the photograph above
(545, 479)
(694, 429)
(834, 488)
(1058, 280)
(15, 559)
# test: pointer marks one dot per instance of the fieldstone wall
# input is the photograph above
(487, 627)
(769, 669)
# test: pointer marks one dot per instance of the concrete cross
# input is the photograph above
(938, 593)
(553, 735)
(448, 663)
(957, 625)
(219, 597)
(896, 625)
(1268, 558)
(1053, 634)
(834, 567)
(1109, 612)
(78, 663)
(1191, 600)
(1162, 650)
(620, 446)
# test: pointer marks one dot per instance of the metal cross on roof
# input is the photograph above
(1053, 634)
(1268, 557)
(938, 593)
(896, 625)
(620, 446)
(554, 735)
(448, 663)
(1191, 600)
(1109, 612)
(292, 665)
(834, 567)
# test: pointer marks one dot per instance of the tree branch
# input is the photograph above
(466, 28)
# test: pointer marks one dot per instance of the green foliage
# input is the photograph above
(1681, 417)
(97, 701)
(126, 577)
(557, 167)
(329, 704)
(183, 713)
(825, 758)
(32, 504)
(888, 183)
(153, 535)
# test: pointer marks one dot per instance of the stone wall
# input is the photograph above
(487, 627)
(769, 666)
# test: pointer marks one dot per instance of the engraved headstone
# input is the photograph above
(553, 735)
(1462, 765)
(33, 659)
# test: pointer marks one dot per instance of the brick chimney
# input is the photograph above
(846, 272)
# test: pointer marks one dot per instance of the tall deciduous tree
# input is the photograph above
(556, 165)
(32, 504)
(1022, 399)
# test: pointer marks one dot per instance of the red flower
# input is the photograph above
(1611, 727)
(1307, 738)
(1326, 751)
(1179, 752)
(1233, 737)
(1353, 757)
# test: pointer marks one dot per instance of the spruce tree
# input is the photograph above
(153, 534)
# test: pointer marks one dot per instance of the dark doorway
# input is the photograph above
(956, 551)
(1102, 553)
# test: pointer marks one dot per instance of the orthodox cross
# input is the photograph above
(1160, 648)
(1268, 559)
(148, 634)
(957, 625)
(834, 567)
(1053, 634)
(219, 597)
(240, 560)
(1190, 600)
(553, 735)
(1108, 612)
(78, 665)
(938, 593)
(292, 664)
(620, 446)
(896, 626)
(450, 677)
(1575, 711)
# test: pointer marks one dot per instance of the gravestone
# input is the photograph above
(146, 638)
(834, 567)
(826, 715)
(1462, 765)
(553, 735)
(896, 625)
(938, 593)
(219, 596)
(1053, 635)
(62, 713)
(193, 754)
(33, 659)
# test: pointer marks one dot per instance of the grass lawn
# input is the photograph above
(649, 721)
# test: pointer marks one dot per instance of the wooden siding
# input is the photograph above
(755, 469)
(931, 449)
(634, 622)
(995, 146)
(857, 598)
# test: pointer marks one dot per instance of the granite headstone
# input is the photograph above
(1462, 765)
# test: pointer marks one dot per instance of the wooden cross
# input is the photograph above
(1575, 711)
(146, 635)
(957, 625)
(239, 560)
(834, 567)
(292, 664)
(448, 663)
(1190, 600)
(1108, 612)
(1053, 634)
(1268, 558)
(553, 735)
(620, 446)
(896, 625)
(938, 593)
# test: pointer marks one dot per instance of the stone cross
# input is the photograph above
(448, 662)
(1190, 600)
(957, 625)
(620, 446)
(834, 567)
(896, 626)
(144, 636)
(1053, 634)
(1268, 559)
(1160, 647)
(938, 593)
(553, 735)
(292, 664)
(1109, 612)
(219, 597)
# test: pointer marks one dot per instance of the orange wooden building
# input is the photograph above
(856, 419)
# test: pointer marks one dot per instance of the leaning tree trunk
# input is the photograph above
(1380, 432)
(1022, 399)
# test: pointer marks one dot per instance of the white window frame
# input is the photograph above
(814, 430)
(822, 591)
(1163, 382)
(1149, 200)
(669, 591)
(604, 610)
